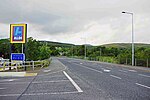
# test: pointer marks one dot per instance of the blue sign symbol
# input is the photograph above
(18, 33)
(17, 56)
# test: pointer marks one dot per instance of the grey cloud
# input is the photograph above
(71, 16)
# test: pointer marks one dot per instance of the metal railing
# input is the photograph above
(24, 64)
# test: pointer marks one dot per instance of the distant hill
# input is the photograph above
(126, 45)
(57, 43)
(117, 45)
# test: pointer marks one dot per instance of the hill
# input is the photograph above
(126, 45)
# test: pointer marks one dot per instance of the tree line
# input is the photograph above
(38, 50)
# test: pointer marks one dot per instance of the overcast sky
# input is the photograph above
(95, 22)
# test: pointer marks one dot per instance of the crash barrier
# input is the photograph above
(24, 64)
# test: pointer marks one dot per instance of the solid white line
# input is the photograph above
(8, 80)
(115, 76)
(33, 94)
(36, 82)
(55, 93)
(90, 68)
(143, 75)
(142, 85)
(72, 81)
(123, 71)
(49, 81)
(6, 95)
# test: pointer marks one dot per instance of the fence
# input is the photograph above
(19, 65)
(126, 61)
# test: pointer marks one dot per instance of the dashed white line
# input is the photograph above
(123, 71)
(144, 75)
(90, 68)
(2, 88)
(132, 70)
(73, 82)
(106, 70)
(46, 70)
(142, 85)
(115, 76)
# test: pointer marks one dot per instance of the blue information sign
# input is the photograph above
(17, 56)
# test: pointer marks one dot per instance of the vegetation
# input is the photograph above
(116, 53)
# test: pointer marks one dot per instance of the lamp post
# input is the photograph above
(132, 37)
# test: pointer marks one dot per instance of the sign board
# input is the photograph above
(17, 56)
(18, 33)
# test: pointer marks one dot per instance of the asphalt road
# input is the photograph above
(74, 79)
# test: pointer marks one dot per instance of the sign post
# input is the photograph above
(18, 34)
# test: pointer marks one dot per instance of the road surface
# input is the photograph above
(74, 79)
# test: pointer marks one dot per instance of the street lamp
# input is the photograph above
(132, 38)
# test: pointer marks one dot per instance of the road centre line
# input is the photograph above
(90, 68)
(115, 76)
(73, 82)
(144, 75)
(142, 85)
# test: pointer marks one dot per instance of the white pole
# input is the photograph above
(132, 37)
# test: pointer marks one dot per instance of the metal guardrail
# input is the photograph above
(22, 64)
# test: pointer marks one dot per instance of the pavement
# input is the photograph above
(74, 79)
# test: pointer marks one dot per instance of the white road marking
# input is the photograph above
(50, 81)
(115, 76)
(36, 82)
(55, 93)
(81, 63)
(46, 70)
(143, 85)
(123, 71)
(106, 70)
(91, 69)
(6, 95)
(8, 80)
(33, 94)
(144, 75)
(72, 81)
(132, 70)
(2, 88)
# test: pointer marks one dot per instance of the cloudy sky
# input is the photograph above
(95, 22)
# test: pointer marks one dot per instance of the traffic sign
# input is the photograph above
(18, 33)
(17, 56)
